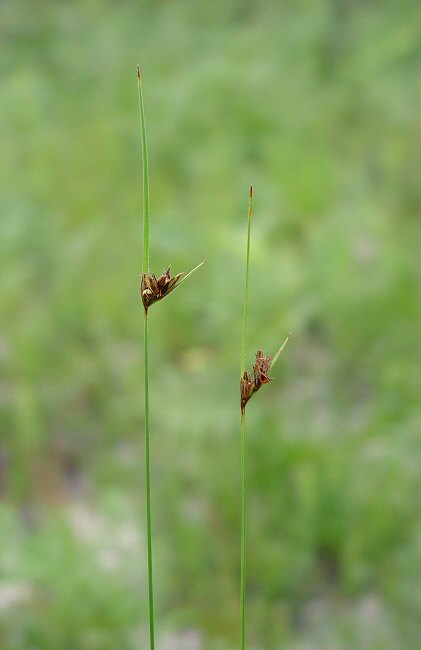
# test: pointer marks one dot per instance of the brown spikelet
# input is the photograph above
(246, 389)
(249, 386)
(153, 289)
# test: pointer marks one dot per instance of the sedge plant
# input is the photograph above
(152, 289)
(248, 387)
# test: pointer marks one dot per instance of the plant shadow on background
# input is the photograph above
(317, 104)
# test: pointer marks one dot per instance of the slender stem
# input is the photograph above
(243, 530)
(145, 267)
(246, 293)
(148, 487)
(243, 588)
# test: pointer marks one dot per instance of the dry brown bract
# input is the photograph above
(153, 289)
(249, 386)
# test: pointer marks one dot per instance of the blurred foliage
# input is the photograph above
(317, 103)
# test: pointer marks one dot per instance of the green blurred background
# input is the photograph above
(317, 103)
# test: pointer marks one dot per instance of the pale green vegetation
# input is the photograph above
(318, 105)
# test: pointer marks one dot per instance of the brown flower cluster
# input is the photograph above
(153, 289)
(249, 386)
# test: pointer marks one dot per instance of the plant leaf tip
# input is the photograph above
(196, 268)
(251, 191)
(138, 72)
(279, 352)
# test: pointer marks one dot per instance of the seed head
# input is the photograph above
(249, 386)
(153, 289)
(246, 389)
(261, 370)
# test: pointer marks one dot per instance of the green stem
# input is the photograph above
(145, 268)
(148, 487)
(145, 175)
(246, 293)
(243, 530)
(243, 441)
